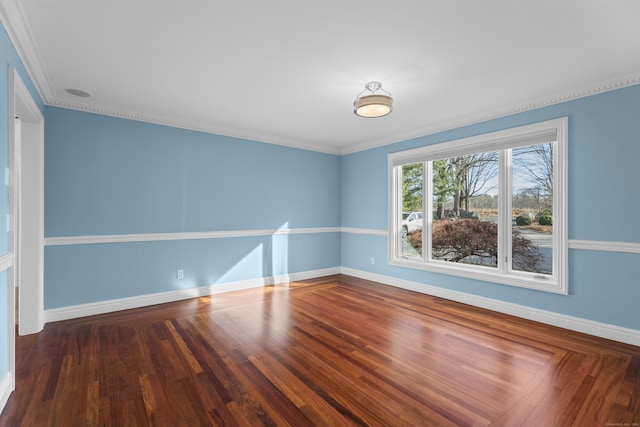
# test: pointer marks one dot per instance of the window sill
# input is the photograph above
(521, 280)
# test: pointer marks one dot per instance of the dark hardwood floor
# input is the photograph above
(335, 351)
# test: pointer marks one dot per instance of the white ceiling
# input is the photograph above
(287, 71)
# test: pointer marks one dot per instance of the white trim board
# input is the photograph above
(369, 231)
(152, 237)
(109, 306)
(592, 245)
(598, 329)
(6, 388)
(588, 245)
(595, 245)
(6, 384)
(6, 261)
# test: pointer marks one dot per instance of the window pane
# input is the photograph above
(412, 195)
(532, 208)
(465, 209)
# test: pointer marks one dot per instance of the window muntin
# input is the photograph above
(478, 188)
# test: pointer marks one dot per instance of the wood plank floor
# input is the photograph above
(335, 351)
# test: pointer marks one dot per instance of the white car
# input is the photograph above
(411, 221)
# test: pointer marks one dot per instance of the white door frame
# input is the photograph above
(26, 236)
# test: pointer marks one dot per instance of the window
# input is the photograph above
(490, 207)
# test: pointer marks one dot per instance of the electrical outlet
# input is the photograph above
(180, 273)
(373, 260)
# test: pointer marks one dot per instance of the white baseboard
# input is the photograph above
(6, 388)
(603, 330)
(101, 307)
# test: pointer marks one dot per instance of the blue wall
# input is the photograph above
(604, 151)
(107, 176)
(8, 58)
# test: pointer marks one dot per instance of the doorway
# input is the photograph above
(26, 213)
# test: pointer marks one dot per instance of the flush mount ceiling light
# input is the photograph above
(373, 104)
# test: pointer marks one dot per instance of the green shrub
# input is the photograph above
(545, 220)
(545, 212)
(523, 220)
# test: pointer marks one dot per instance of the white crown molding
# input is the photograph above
(474, 118)
(20, 35)
(483, 116)
(198, 127)
(21, 38)
(591, 327)
(109, 306)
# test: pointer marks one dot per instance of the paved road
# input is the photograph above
(545, 246)
(542, 240)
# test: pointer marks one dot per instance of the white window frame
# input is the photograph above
(556, 129)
